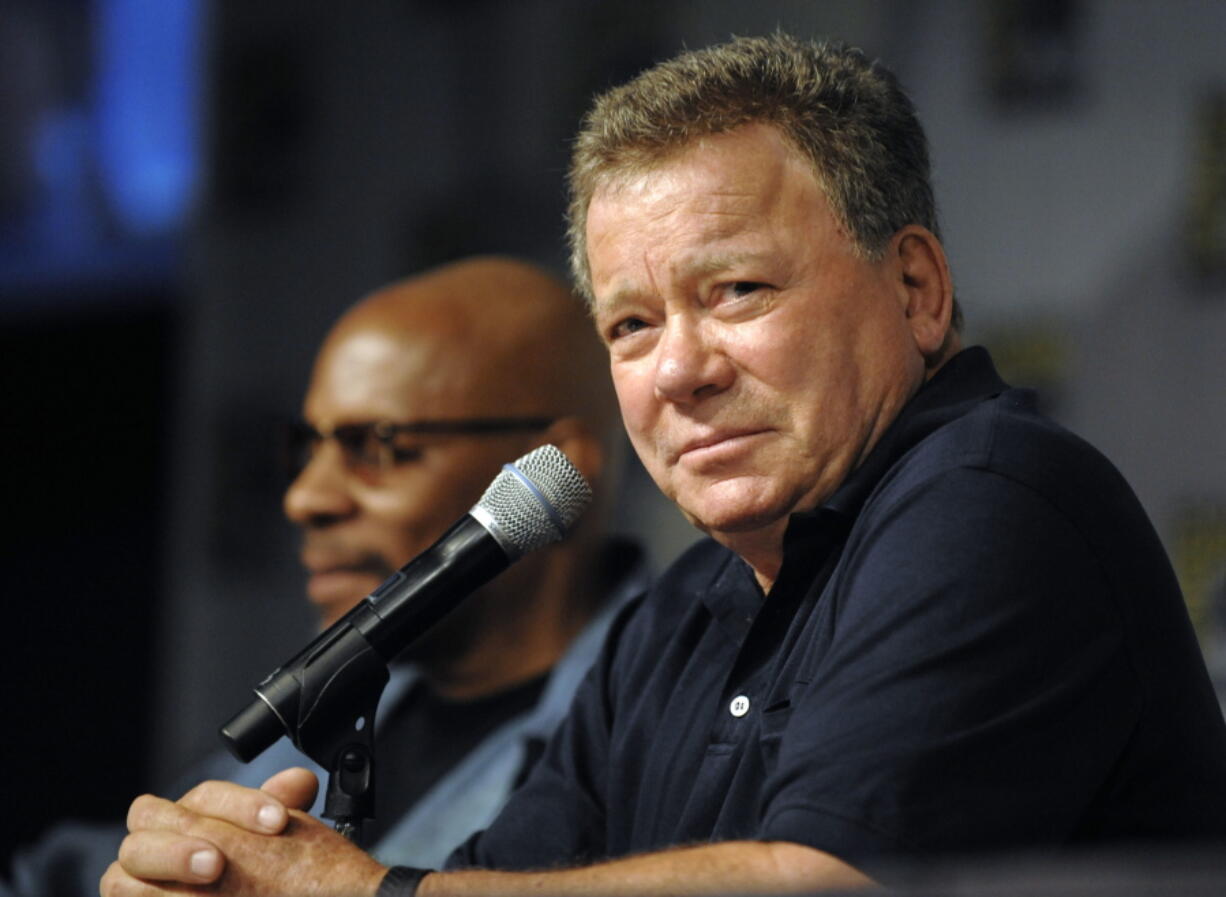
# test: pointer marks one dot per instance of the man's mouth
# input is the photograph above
(717, 446)
(341, 584)
(332, 579)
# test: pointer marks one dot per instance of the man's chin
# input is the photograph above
(736, 515)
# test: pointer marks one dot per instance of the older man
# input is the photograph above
(419, 394)
(928, 621)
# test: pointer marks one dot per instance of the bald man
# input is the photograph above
(418, 395)
(490, 358)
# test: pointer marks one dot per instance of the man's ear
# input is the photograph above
(926, 289)
(578, 443)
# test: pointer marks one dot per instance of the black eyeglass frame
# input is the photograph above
(353, 438)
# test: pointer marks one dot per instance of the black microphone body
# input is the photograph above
(424, 590)
(325, 697)
(386, 622)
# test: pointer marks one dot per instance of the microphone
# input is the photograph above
(530, 504)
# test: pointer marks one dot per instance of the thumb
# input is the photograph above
(295, 788)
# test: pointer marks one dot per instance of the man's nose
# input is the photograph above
(690, 363)
(321, 491)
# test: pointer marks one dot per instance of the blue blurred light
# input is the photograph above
(148, 118)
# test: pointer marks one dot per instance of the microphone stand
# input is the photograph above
(338, 733)
(325, 699)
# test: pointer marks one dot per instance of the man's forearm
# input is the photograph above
(729, 867)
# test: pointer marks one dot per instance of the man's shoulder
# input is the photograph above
(1017, 473)
(1007, 436)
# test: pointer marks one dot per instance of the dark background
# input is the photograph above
(190, 193)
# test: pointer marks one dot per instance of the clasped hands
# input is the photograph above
(221, 838)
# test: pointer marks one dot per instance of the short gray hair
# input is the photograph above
(843, 112)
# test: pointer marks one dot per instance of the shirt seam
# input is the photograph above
(823, 810)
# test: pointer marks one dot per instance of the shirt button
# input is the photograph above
(739, 706)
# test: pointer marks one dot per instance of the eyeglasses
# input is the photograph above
(373, 449)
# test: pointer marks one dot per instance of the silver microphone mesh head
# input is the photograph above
(534, 501)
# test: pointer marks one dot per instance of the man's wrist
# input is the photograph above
(401, 881)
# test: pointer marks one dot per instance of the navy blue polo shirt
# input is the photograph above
(977, 644)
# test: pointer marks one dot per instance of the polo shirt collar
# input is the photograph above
(963, 382)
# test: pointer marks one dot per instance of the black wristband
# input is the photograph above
(401, 881)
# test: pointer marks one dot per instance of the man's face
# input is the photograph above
(756, 358)
(358, 529)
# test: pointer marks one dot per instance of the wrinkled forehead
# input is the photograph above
(732, 196)
(753, 156)
(631, 162)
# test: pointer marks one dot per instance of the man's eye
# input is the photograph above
(745, 287)
(626, 327)
(406, 453)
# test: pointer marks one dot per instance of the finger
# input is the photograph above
(149, 812)
(243, 807)
(294, 788)
(116, 882)
(247, 808)
(169, 856)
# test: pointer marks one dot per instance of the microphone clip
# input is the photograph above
(325, 699)
(336, 728)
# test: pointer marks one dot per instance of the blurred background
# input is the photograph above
(191, 192)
